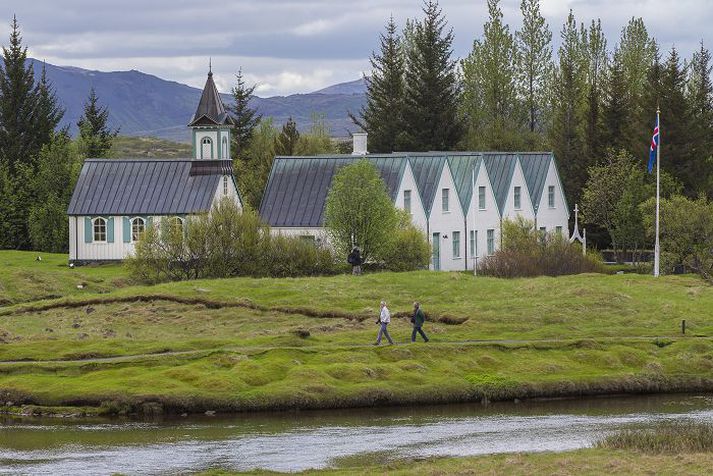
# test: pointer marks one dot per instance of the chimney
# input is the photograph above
(359, 143)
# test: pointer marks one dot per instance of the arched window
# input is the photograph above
(176, 223)
(138, 226)
(225, 148)
(206, 148)
(99, 229)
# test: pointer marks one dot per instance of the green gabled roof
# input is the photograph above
(427, 170)
(500, 167)
(297, 189)
(535, 167)
(462, 167)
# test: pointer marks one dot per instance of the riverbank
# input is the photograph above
(261, 344)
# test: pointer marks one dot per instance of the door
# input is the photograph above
(436, 243)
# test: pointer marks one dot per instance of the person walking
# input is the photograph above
(355, 260)
(383, 321)
(418, 319)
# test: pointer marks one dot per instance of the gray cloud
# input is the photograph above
(292, 46)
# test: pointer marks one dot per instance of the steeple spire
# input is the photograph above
(210, 66)
(210, 107)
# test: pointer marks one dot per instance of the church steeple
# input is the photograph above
(211, 124)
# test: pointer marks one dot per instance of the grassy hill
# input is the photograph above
(125, 146)
(242, 344)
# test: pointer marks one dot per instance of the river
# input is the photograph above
(296, 441)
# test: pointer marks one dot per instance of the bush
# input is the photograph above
(528, 252)
(226, 242)
(408, 249)
(665, 437)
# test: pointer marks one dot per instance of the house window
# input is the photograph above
(225, 185)
(473, 243)
(491, 242)
(558, 229)
(176, 223)
(138, 225)
(551, 196)
(481, 198)
(516, 196)
(456, 244)
(206, 148)
(444, 199)
(225, 148)
(407, 200)
(99, 229)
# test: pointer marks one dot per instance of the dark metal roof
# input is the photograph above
(427, 170)
(146, 186)
(297, 189)
(500, 167)
(210, 108)
(535, 167)
(462, 167)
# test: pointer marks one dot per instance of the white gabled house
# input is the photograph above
(115, 200)
(458, 199)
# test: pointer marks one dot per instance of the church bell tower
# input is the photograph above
(211, 125)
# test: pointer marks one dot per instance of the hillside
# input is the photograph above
(145, 105)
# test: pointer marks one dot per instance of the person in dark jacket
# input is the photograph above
(418, 319)
(355, 260)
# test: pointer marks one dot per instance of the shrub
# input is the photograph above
(528, 252)
(665, 437)
(295, 256)
(408, 248)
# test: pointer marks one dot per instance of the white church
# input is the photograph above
(458, 199)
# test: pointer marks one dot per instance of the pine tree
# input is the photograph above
(18, 104)
(49, 112)
(676, 127)
(700, 98)
(491, 104)
(382, 116)
(596, 56)
(246, 118)
(286, 142)
(95, 135)
(568, 132)
(617, 108)
(431, 119)
(534, 66)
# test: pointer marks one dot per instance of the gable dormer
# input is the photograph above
(211, 125)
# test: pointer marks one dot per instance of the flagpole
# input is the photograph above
(657, 249)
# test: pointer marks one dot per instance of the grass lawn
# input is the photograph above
(276, 343)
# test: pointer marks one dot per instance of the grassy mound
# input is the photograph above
(665, 438)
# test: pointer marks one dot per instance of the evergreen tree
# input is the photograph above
(534, 65)
(595, 47)
(286, 142)
(18, 104)
(675, 128)
(491, 105)
(431, 119)
(49, 112)
(94, 133)
(617, 109)
(382, 116)
(700, 98)
(246, 118)
(567, 134)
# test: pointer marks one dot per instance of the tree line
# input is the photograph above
(514, 92)
(39, 162)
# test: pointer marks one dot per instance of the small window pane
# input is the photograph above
(517, 198)
(100, 229)
(444, 201)
(456, 244)
(225, 185)
(481, 198)
(558, 229)
(138, 225)
(491, 242)
(407, 200)
(551, 196)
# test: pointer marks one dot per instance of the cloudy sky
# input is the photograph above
(291, 46)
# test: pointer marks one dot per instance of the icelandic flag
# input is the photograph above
(654, 146)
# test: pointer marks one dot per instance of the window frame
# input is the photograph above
(225, 185)
(473, 243)
(481, 197)
(445, 200)
(517, 197)
(224, 148)
(491, 241)
(207, 140)
(105, 224)
(132, 224)
(407, 201)
(551, 196)
(456, 244)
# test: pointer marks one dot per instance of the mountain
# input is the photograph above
(141, 104)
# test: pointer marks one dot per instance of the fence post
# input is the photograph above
(683, 326)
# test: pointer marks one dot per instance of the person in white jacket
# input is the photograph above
(384, 319)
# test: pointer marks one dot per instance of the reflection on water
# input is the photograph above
(301, 440)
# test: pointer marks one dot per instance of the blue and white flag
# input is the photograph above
(654, 146)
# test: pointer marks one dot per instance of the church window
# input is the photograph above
(225, 148)
(138, 226)
(100, 229)
(206, 148)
